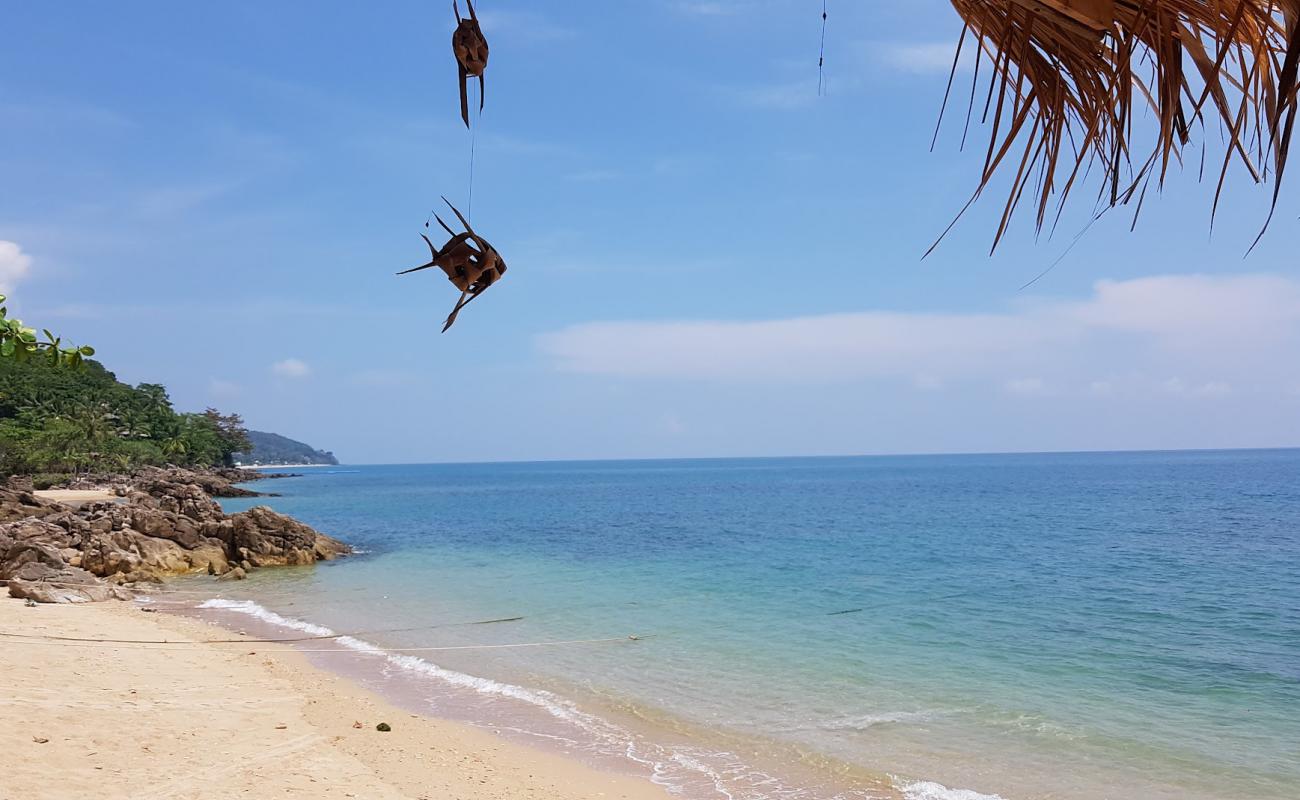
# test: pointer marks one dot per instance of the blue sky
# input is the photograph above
(706, 258)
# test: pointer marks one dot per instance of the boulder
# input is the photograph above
(18, 504)
(271, 539)
(31, 541)
(67, 585)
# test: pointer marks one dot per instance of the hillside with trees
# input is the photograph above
(58, 420)
(272, 448)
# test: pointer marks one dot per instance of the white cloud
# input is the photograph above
(522, 26)
(221, 388)
(1214, 333)
(709, 9)
(385, 377)
(1026, 386)
(671, 424)
(291, 368)
(788, 96)
(14, 265)
(594, 176)
(928, 383)
(925, 58)
(1213, 389)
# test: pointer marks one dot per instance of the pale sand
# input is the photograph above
(76, 498)
(149, 723)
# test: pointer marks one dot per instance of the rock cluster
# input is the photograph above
(167, 524)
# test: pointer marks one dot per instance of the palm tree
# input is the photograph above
(1066, 78)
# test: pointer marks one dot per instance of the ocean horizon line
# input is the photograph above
(822, 457)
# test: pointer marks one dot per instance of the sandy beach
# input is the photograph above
(148, 722)
(76, 498)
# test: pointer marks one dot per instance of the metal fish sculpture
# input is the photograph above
(470, 263)
(471, 51)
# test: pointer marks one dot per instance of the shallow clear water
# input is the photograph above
(1032, 626)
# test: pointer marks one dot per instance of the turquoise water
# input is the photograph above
(1024, 626)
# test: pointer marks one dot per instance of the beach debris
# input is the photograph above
(468, 260)
(471, 51)
(383, 727)
(30, 603)
(40, 740)
(358, 725)
(282, 727)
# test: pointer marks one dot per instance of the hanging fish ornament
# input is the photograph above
(470, 263)
(471, 51)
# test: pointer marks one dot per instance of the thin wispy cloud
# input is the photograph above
(923, 58)
(594, 176)
(54, 112)
(524, 26)
(223, 389)
(709, 9)
(1026, 386)
(786, 96)
(1201, 328)
(292, 368)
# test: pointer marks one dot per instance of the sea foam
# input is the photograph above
(929, 790)
(676, 769)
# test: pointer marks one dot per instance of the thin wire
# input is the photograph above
(367, 651)
(1077, 238)
(821, 57)
(246, 640)
(473, 146)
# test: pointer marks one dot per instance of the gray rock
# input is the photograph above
(68, 585)
(236, 574)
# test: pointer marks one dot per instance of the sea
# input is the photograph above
(1099, 626)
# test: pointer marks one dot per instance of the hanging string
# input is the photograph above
(821, 57)
(473, 145)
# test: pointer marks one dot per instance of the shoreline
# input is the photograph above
(652, 749)
(242, 719)
(285, 466)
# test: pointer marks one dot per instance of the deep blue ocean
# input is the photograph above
(1093, 626)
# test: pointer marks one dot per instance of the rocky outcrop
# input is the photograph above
(18, 504)
(164, 528)
(216, 483)
(213, 482)
(267, 539)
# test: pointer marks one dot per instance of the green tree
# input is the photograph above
(19, 342)
(231, 434)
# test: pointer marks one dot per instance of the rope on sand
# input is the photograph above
(246, 640)
(144, 644)
(160, 590)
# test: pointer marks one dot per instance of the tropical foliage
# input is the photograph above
(19, 343)
(68, 421)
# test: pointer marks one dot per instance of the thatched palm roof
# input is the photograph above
(1065, 79)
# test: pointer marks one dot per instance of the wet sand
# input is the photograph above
(101, 720)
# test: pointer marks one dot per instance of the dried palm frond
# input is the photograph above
(1067, 77)
(468, 261)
